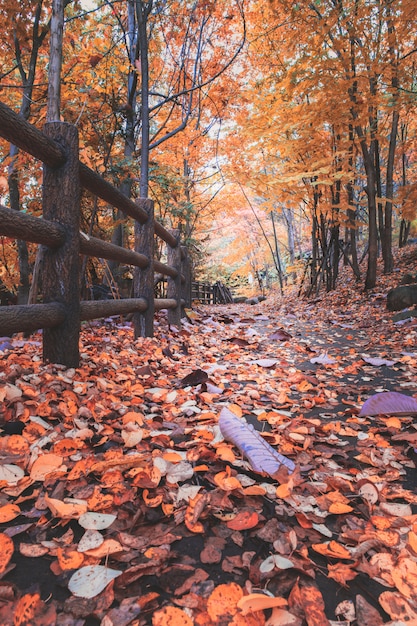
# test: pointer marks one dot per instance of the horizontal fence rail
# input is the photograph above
(58, 231)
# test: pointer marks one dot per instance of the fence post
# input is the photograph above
(186, 271)
(143, 279)
(60, 271)
(174, 284)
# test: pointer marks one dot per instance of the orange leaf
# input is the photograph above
(226, 481)
(222, 602)
(153, 500)
(254, 490)
(67, 446)
(313, 605)
(44, 465)
(225, 452)
(259, 602)
(338, 508)
(172, 457)
(285, 490)
(132, 416)
(397, 608)
(393, 422)
(69, 558)
(193, 511)
(412, 540)
(303, 520)
(109, 546)
(26, 609)
(243, 520)
(8, 512)
(17, 444)
(382, 523)
(404, 575)
(332, 549)
(6, 551)
(341, 573)
(235, 408)
(171, 616)
(66, 510)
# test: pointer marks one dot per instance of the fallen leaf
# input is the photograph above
(389, 403)
(44, 465)
(332, 549)
(90, 580)
(171, 616)
(69, 559)
(67, 510)
(259, 602)
(90, 540)
(243, 520)
(96, 521)
(6, 551)
(222, 602)
(11, 473)
(275, 561)
(261, 455)
(8, 512)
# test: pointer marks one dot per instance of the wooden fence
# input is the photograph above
(61, 312)
(207, 293)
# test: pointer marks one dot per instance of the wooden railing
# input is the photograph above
(61, 311)
(208, 293)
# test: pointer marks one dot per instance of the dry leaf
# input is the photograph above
(91, 580)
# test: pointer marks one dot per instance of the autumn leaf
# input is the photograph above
(341, 573)
(6, 551)
(69, 559)
(90, 580)
(332, 549)
(243, 520)
(389, 403)
(222, 602)
(171, 616)
(8, 512)
(44, 465)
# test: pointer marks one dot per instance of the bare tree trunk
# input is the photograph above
(28, 77)
(387, 242)
(53, 110)
(370, 280)
(22, 249)
(55, 62)
(387, 251)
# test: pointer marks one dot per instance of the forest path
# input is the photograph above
(136, 429)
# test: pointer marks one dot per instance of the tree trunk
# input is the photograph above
(370, 280)
(55, 61)
(387, 241)
(142, 13)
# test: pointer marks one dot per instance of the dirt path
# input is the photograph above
(194, 521)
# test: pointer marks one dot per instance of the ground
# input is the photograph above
(122, 503)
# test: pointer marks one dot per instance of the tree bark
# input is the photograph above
(60, 279)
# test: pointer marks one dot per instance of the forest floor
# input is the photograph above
(121, 503)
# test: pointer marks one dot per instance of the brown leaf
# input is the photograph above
(366, 614)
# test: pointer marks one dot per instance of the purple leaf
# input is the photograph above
(263, 458)
(389, 403)
(377, 361)
(323, 359)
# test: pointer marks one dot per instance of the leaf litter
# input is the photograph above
(215, 475)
